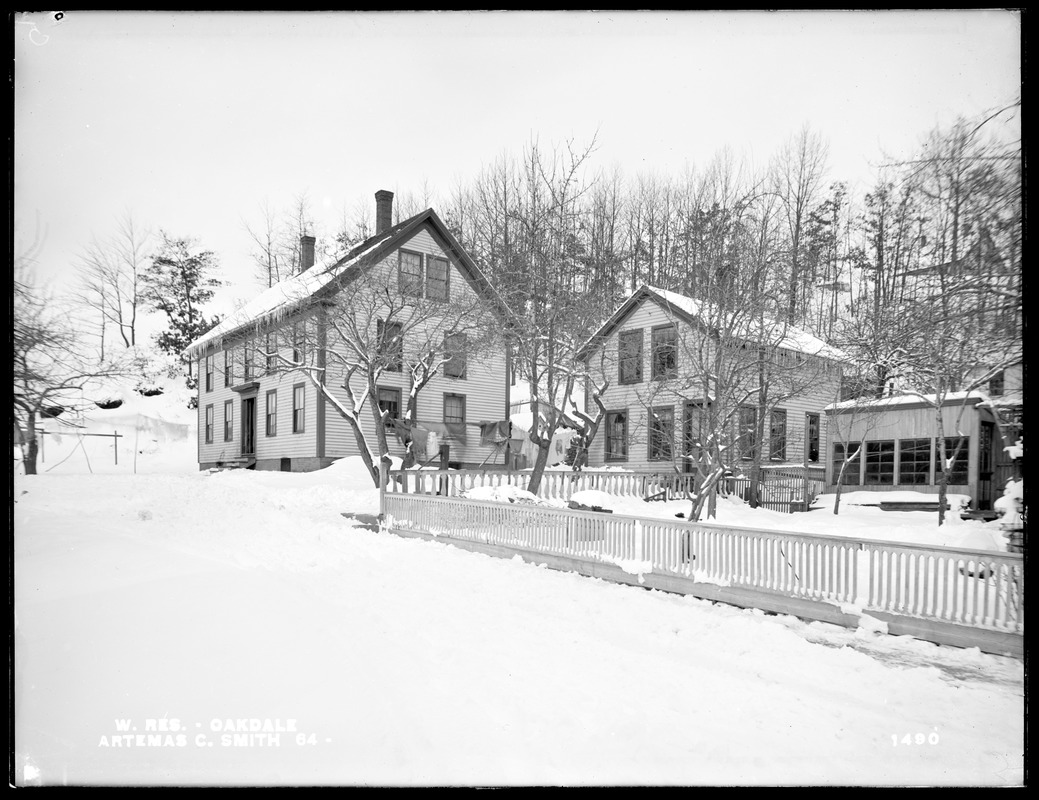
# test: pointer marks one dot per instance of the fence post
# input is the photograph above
(115, 445)
(383, 476)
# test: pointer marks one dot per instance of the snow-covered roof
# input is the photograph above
(281, 298)
(789, 337)
(290, 294)
(896, 401)
(780, 335)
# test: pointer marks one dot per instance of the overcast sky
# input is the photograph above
(191, 120)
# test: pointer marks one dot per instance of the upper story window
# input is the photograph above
(629, 357)
(247, 361)
(454, 349)
(424, 275)
(665, 352)
(389, 401)
(297, 342)
(996, 384)
(391, 345)
(228, 374)
(209, 373)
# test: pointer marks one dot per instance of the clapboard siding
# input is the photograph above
(808, 389)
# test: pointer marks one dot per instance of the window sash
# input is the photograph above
(851, 476)
(410, 273)
(209, 424)
(959, 474)
(229, 421)
(629, 357)
(880, 463)
(389, 400)
(391, 345)
(436, 277)
(777, 436)
(747, 435)
(616, 436)
(454, 408)
(455, 350)
(271, 415)
(914, 461)
(665, 352)
(661, 434)
(814, 433)
(228, 374)
(209, 373)
(298, 409)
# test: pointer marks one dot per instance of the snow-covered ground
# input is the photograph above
(189, 607)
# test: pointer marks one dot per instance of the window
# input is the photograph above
(271, 416)
(228, 420)
(209, 424)
(813, 438)
(880, 463)
(957, 448)
(389, 400)
(665, 352)
(247, 361)
(391, 345)
(454, 408)
(411, 273)
(914, 461)
(777, 437)
(617, 436)
(209, 373)
(629, 356)
(661, 433)
(270, 345)
(995, 385)
(436, 278)
(228, 375)
(747, 434)
(455, 350)
(851, 474)
(297, 342)
(298, 409)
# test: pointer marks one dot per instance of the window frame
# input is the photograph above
(661, 446)
(777, 414)
(964, 457)
(453, 396)
(835, 465)
(657, 346)
(813, 439)
(383, 346)
(406, 284)
(608, 453)
(228, 368)
(248, 370)
(389, 389)
(905, 468)
(270, 344)
(635, 359)
(879, 463)
(209, 423)
(270, 413)
(299, 407)
(229, 420)
(297, 341)
(745, 433)
(456, 355)
(427, 282)
(209, 373)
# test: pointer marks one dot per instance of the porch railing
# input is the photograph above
(976, 588)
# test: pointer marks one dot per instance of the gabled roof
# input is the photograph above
(325, 278)
(692, 311)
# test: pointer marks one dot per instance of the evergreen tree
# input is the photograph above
(179, 283)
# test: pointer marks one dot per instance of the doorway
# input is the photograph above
(248, 426)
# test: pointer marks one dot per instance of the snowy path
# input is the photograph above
(248, 596)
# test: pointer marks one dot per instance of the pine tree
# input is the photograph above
(178, 283)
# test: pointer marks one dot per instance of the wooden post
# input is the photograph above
(445, 457)
(383, 477)
(115, 446)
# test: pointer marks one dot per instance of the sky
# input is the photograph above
(190, 121)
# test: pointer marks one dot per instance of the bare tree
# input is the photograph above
(110, 278)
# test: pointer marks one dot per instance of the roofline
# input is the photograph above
(869, 406)
(394, 237)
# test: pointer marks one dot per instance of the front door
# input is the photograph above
(985, 466)
(249, 426)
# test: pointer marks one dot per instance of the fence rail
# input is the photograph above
(976, 588)
(786, 490)
(555, 485)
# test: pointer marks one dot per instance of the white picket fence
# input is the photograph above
(976, 588)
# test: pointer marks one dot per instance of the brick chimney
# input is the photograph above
(383, 211)
(306, 252)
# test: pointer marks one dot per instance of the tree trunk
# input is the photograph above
(540, 461)
(31, 447)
